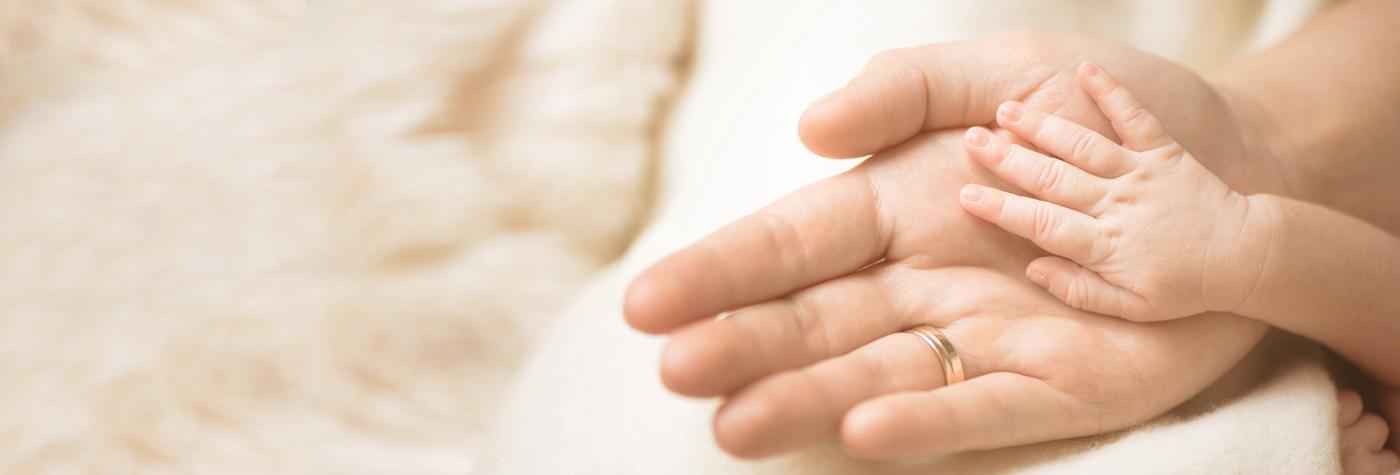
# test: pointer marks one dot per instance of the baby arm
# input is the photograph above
(1145, 232)
(1327, 276)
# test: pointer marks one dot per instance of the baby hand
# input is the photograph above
(1138, 226)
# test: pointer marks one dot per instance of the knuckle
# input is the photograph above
(1049, 177)
(1004, 210)
(1132, 111)
(786, 242)
(1112, 233)
(1009, 152)
(1045, 224)
(807, 321)
(1107, 245)
(1120, 100)
(1173, 151)
(1083, 145)
(880, 373)
(901, 63)
(1076, 293)
(1137, 118)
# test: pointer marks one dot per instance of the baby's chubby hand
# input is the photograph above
(1140, 228)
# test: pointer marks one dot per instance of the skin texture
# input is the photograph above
(1142, 231)
(1363, 435)
(1137, 229)
(813, 350)
(828, 356)
(819, 283)
(1323, 102)
(1329, 277)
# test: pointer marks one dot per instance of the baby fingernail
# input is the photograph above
(1011, 111)
(1090, 69)
(978, 136)
(1036, 276)
(971, 193)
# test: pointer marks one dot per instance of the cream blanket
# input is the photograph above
(318, 237)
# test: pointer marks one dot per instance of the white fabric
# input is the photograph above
(590, 401)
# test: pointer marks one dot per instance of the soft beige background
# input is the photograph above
(294, 236)
(287, 236)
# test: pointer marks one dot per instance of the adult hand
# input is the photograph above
(909, 91)
(825, 278)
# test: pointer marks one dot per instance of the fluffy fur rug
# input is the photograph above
(302, 236)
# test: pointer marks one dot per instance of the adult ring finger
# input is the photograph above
(943, 348)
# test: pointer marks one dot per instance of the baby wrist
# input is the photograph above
(1238, 253)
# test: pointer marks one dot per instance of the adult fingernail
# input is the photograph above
(978, 136)
(1012, 111)
(971, 193)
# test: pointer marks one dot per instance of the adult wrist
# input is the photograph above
(1263, 139)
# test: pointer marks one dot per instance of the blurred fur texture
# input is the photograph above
(303, 236)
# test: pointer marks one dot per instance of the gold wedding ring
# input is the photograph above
(952, 365)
